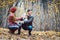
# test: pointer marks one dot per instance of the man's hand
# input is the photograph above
(21, 22)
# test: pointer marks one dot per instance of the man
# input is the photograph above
(27, 25)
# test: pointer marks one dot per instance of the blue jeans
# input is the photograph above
(15, 26)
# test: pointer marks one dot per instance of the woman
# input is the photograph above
(12, 24)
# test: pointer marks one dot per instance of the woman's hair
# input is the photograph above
(13, 9)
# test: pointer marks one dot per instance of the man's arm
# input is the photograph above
(30, 20)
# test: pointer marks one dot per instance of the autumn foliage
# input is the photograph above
(3, 3)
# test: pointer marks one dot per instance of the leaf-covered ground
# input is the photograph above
(36, 35)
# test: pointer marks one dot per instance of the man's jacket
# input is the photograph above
(28, 22)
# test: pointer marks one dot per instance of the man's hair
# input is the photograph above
(28, 10)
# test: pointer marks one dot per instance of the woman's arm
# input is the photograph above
(21, 18)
